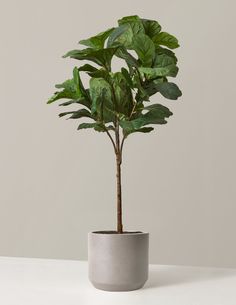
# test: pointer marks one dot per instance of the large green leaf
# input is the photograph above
(151, 27)
(101, 57)
(81, 101)
(59, 95)
(165, 39)
(134, 27)
(156, 114)
(77, 114)
(116, 33)
(78, 83)
(127, 77)
(100, 73)
(123, 94)
(152, 73)
(101, 96)
(86, 125)
(141, 94)
(142, 130)
(145, 49)
(151, 86)
(169, 90)
(87, 68)
(167, 52)
(164, 65)
(163, 110)
(71, 88)
(124, 54)
(81, 113)
(96, 126)
(129, 19)
(163, 60)
(97, 42)
(94, 72)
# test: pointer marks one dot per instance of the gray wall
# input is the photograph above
(178, 182)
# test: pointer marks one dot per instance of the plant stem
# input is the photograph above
(118, 180)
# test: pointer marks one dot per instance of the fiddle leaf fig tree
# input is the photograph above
(117, 103)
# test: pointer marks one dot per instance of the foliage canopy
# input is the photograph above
(121, 98)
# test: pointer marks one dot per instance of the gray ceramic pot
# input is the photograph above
(118, 262)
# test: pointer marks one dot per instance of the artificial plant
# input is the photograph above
(120, 101)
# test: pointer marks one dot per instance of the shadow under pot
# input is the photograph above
(118, 262)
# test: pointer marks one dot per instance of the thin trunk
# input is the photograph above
(118, 181)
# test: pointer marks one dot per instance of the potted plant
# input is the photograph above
(118, 104)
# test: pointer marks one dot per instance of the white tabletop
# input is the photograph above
(27, 281)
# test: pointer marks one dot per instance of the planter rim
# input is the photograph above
(114, 233)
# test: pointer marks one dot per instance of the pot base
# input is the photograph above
(112, 287)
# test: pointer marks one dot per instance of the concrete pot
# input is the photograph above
(118, 262)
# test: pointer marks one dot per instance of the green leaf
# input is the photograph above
(65, 113)
(169, 90)
(163, 60)
(99, 127)
(143, 130)
(112, 40)
(152, 73)
(97, 42)
(123, 94)
(165, 39)
(101, 96)
(78, 83)
(94, 72)
(81, 101)
(69, 103)
(80, 114)
(156, 114)
(164, 65)
(87, 68)
(124, 54)
(72, 88)
(127, 77)
(151, 86)
(134, 27)
(163, 110)
(68, 85)
(86, 125)
(129, 19)
(101, 57)
(59, 95)
(167, 52)
(96, 126)
(141, 94)
(100, 73)
(151, 27)
(145, 49)
(77, 114)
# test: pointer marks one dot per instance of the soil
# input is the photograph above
(115, 232)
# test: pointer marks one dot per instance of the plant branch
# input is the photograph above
(112, 141)
(132, 111)
(121, 146)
